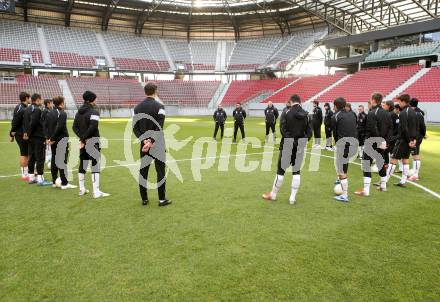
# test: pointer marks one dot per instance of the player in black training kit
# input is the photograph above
(328, 115)
(48, 106)
(16, 133)
(34, 133)
(86, 127)
(296, 131)
(219, 117)
(406, 139)
(148, 124)
(58, 137)
(345, 129)
(379, 125)
(316, 124)
(271, 116)
(239, 116)
(361, 127)
(421, 135)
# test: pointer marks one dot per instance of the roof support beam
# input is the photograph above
(111, 6)
(69, 7)
(231, 16)
(145, 14)
(425, 8)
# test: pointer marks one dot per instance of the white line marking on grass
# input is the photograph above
(427, 190)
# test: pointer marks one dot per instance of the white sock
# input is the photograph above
(296, 181)
(344, 185)
(383, 182)
(95, 180)
(405, 173)
(400, 166)
(24, 171)
(81, 179)
(390, 171)
(416, 167)
(31, 177)
(40, 178)
(367, 183)
(278, 182)
(267, 138)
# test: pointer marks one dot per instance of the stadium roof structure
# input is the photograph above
(228, 18)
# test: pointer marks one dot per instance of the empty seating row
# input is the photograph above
(46, 86)
(427, 87)
(187, 93)
(360, 86)
(306, 87)
(245, 90)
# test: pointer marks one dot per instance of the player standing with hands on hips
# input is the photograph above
(148, 121)
(239, 116)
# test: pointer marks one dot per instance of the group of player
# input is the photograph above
(40, 130)
(394, 132)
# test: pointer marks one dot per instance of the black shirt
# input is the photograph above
(408, 127)
(154, 121)
(317, 116)
(85, 124)
(344, 124)
(33, 124)
(220, 116)
(328, 118)
(271, 114)
(239, 115)
(17, 119)
(361, 122)
(56, 123)
(379, 124)
(421, 126)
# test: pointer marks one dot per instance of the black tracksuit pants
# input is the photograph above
(143, 176)
(54, 169)
(241, 126)
(270, 126)
(222, 129)
(37, 154)
(328, 136)
(316, 130)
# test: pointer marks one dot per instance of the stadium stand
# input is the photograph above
(136, 53)
(71, 47)
(180, 52)
(249, 54)
(360, 86)
(377, 55)
(426, 89)
(293, 45)
(46, 86)
(115, 92)
(187, 93)
(17, 39)
(204, 54)
(245, 90)
(407, 51)
(305, 87)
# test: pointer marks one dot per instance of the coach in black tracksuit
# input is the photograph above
(361, 125)
(16, 132)
(316, 123)
(56, 123)
(271, 116)
(219, 117)
(328, 115)
(379, 125)
(239, 116)
(34, 132)
(148, 124)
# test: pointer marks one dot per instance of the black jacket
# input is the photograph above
(239, 115)
(361, 122)
(85, 124)
(328, 118)
(56, 123)
(220, 116)
(156, 111)
(379, 124)
(33, 125)
(17, 119)
(421, 126)
(296, 123)
(44, 112)
(408, 129)
(395, 118)
(283, 119)
(317, 116)
(344, 124)
(271, 115)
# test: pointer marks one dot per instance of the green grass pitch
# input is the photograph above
(219, 241)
